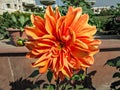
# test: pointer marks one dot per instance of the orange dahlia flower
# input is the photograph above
(63, 44)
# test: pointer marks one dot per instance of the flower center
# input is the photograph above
(61, 45)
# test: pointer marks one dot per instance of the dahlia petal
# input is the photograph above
(45, 56)
(66, 71)
(30, 55)
(78, 52)
(50, 25)
(73, 35)
(61, 76)
(95, 42)
(54, 62)
(38, 22)
(78, 12)
(57, 13)
(83, 20)
(35, 52)
(81, 44)
(33, 32)
(87, 30)
(44, 69)
(30, 45)
(70, 10)
(41, 64)
(87, 61)
(50, 11)
(72, 17)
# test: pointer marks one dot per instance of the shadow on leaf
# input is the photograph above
(115, 62)
(24, 84)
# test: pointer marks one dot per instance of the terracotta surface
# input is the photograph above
(16, 34)
(15, 68)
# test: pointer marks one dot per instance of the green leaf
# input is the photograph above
(22, 20)
(82, 76)
(50, 87)
(118, 63)
(68, 87)
(115, 62)
(78, 87)
(117, 74)
(34, 73)
(75, 77)
(28, 89)
(14, 18)
(21, 29)
(49, 75)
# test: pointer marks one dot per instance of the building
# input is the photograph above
(104, 5)
(14, 5)
(97, 10)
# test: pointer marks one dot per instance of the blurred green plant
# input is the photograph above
(13, 20)
(19, 20)
(112, 25)
(4, 23)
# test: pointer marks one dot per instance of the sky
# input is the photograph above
(106, 2)
(100, 2)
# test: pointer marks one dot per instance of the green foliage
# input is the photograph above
(4, 23)
(49, 76)
(76, 82)
(50, 87)
(13, 20)
(47, 2)
(78, 77)
(34, 74)
(20, 20)
(112, 25)
(76, 3)
(117, 74)
(115, 62)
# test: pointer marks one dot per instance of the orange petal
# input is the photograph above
(79, 52)
(44, 57)
(33, 32)
(87, 61)
(49, 11)
(66, 71)
(87, 30)
(72, 17)
(83, 20)
(50, 25)
(57, 13)
(38, 22)
(45, 68)
(41, 64)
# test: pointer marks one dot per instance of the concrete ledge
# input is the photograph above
(108, 37)
(7, 47)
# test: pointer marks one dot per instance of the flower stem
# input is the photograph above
(57, 84)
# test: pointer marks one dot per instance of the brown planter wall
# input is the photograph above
(14, 65)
